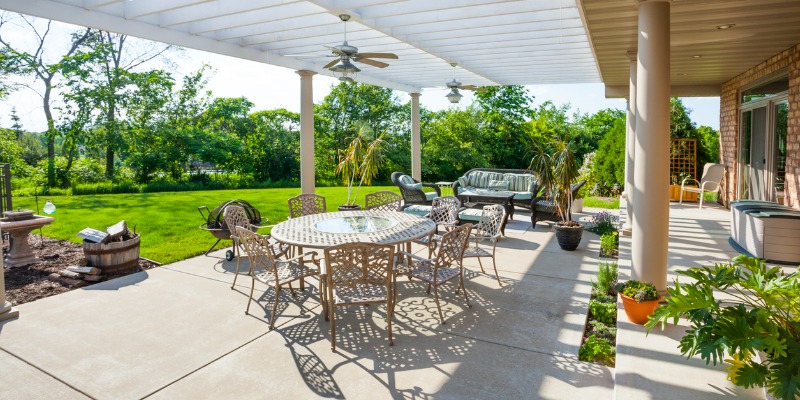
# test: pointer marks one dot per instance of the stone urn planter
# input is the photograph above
(568, 236)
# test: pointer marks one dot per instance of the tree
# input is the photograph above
(682, 127)
(609, 161)
(591, 129)
(271, 150)
(504, 110)
(38, 65)
(450, 145)
(112, 82)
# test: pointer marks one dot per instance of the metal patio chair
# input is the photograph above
(488, 228)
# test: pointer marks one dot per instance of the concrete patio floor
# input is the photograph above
(179, 331)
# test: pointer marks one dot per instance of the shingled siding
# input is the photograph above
(788, 59)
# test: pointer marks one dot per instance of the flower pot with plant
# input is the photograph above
(557, 166)
(360, 160)
(759, 313)
(639, 300)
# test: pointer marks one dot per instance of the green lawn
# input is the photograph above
(599, 202)
(168, 222)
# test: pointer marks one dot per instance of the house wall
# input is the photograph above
(787, 60)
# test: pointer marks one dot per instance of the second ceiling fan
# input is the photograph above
(342, 67)
(454, 96)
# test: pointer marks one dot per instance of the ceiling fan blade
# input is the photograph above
(330, 64)
(378, 55)
(372, 62)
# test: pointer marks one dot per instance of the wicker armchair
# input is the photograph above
(383, 201)
(546, 210)
(358, 274)
(445, 266)
(411, 189)
(306, 204)
(488, 228)
(269, 269)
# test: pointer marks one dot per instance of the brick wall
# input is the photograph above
(788, 59)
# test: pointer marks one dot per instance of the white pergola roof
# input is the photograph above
(495, 42)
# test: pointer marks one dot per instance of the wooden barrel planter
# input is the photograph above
(114, 256)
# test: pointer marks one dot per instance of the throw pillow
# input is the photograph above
(462, 181)
(498, 185)
(417, 186)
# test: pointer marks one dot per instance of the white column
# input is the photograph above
(630, 139)
(6, 311)
(416, 143)
(651, 167)
(306, 132)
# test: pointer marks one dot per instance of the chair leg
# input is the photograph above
(332, 314)
(429, 289)
(701, 199)
(275, 307)
(238, 260)
(390, 315)
(438, 306)
(496, 275)
(481, 264)
(252, 289)
(466, 295)
(681, 200)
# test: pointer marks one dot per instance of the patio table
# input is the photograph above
(482, 196)
(319, 231)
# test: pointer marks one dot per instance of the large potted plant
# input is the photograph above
(639, 300)
(557, 167)
(360, 160)
(755, 323)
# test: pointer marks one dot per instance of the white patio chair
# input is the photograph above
(709, 183)
(488, 228)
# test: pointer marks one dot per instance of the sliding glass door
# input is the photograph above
(762, 148)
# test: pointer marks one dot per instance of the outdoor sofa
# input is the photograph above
(521, 182)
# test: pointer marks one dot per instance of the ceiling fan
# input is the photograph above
(454, 96)
(342, 67)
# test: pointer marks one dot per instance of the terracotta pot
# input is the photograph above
(638, 312)
(349, 207)
(568, 237)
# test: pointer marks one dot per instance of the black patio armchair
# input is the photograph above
(411, 189)
(545, 209)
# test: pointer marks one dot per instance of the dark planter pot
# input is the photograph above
(349, 207)
(568, 237)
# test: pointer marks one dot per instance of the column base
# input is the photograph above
(626, 230)
(7, 312)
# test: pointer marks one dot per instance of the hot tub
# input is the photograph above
(766, 230)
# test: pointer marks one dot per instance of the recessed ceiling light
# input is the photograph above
(697, 56)
(726, 26)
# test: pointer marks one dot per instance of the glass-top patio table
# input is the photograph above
(330, 229)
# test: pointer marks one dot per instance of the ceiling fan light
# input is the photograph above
(454, 96)
(346, 79)
(345, 67)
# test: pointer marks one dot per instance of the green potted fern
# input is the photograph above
(754, 327)
(360, 160)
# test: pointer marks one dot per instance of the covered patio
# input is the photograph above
(179, 331)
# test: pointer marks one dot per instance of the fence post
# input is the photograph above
(5, 188)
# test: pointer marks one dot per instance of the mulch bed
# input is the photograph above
(29, 283)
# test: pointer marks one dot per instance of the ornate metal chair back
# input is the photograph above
(306, 204)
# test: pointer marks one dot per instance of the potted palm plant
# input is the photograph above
(360, 160)
(557, 167)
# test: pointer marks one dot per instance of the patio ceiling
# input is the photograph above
(495, 42)
(762, 29)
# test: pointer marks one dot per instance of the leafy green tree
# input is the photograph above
(450, 144)
(271, 150)
(609, 161)
(347, 105)
(11, 152)
(38, 65)
(682, 127)
(589, 130)
(709, 141)
(504, 110)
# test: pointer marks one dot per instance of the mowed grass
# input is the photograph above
(601, 202)
(169, 222)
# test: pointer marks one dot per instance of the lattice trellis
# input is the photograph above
(682, 160)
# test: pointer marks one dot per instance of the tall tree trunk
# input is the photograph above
(111, 140)
(51, 135)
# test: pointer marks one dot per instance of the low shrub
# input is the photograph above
(609, 243)
(604, 312)
(603, 331)
(606, 279)
(598, 350)
(603, 223)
